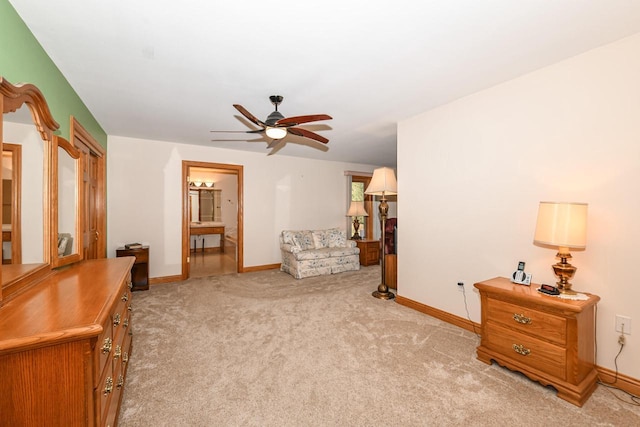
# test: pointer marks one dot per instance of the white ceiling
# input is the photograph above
(171, 70)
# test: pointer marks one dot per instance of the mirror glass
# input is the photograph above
(65, 195)
(32, 179)
(205, 205)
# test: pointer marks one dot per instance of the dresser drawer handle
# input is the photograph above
(125, 297)
(116, 320)
(521, 318)
(125, 358)
(117, 353)
(108, 386)
(520, 349)
(130, 307)
(130, 284)
(106, 347)
(125, 324)
(120, 382)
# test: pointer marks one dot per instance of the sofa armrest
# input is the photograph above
(290, 248)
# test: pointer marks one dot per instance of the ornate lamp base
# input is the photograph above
(383, 292)
(383, 295)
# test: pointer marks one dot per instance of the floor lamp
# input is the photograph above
(383, 184)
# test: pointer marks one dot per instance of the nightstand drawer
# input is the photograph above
(533, 352)
(532, 322)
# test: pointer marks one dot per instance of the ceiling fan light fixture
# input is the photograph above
(276, 133)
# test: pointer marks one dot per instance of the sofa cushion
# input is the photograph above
(314, 254)
(337, 238)
(287, 237)
(304, 240)
(320, 239)
(339, 252)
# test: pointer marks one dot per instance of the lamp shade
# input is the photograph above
(383, 182)
(562, 224)
(357, 209)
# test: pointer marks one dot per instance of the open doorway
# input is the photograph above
(212, 218)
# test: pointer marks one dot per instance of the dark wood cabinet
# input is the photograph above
(369, 251)
(140, 269)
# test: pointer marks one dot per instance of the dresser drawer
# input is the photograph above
(103, 394)
(103, 351)
(531, 322)
(525, 349)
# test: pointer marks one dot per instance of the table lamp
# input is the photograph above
(563, 225)
(383, 184)
(356, 209)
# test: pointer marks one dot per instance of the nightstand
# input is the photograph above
(369, 251)
(140, 269)
(548, 339)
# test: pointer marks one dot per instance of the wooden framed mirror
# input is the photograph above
(66, 203)
(35, 135)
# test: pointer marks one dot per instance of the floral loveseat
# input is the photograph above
(307, 253)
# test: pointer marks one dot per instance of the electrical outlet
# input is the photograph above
(461, 286)
(623, 324)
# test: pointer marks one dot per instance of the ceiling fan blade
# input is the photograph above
(248, 115)
(308, 134)
(297, 120)
(238, 131)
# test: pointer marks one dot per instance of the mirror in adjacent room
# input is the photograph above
(66, 203)
(27, 121)
(205, 204)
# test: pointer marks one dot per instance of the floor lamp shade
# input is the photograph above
(383, 182)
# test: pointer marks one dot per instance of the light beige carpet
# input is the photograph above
(264, 349)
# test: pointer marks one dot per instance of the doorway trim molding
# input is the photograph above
(238, 170)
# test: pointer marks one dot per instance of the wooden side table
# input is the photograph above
(140, 269)
(549, 339)
(369, 251)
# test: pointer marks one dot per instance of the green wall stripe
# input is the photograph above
(23, 60)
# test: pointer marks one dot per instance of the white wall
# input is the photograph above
(472, 173)
(144, 198)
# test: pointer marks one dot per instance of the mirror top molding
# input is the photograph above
(14, 96)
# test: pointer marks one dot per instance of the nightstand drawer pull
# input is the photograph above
(521, 318)
(520, 349)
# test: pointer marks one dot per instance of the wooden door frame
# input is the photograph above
(80, 135)
(238, 170)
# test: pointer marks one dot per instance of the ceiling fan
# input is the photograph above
(277, 127)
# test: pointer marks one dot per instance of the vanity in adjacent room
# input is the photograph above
(65, 322)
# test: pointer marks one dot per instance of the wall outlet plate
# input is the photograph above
(623, 320)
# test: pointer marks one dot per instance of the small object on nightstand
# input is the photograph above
(140, 269)
(549, 290)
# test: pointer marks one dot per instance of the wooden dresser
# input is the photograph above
(64, 347)
(550, 340)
